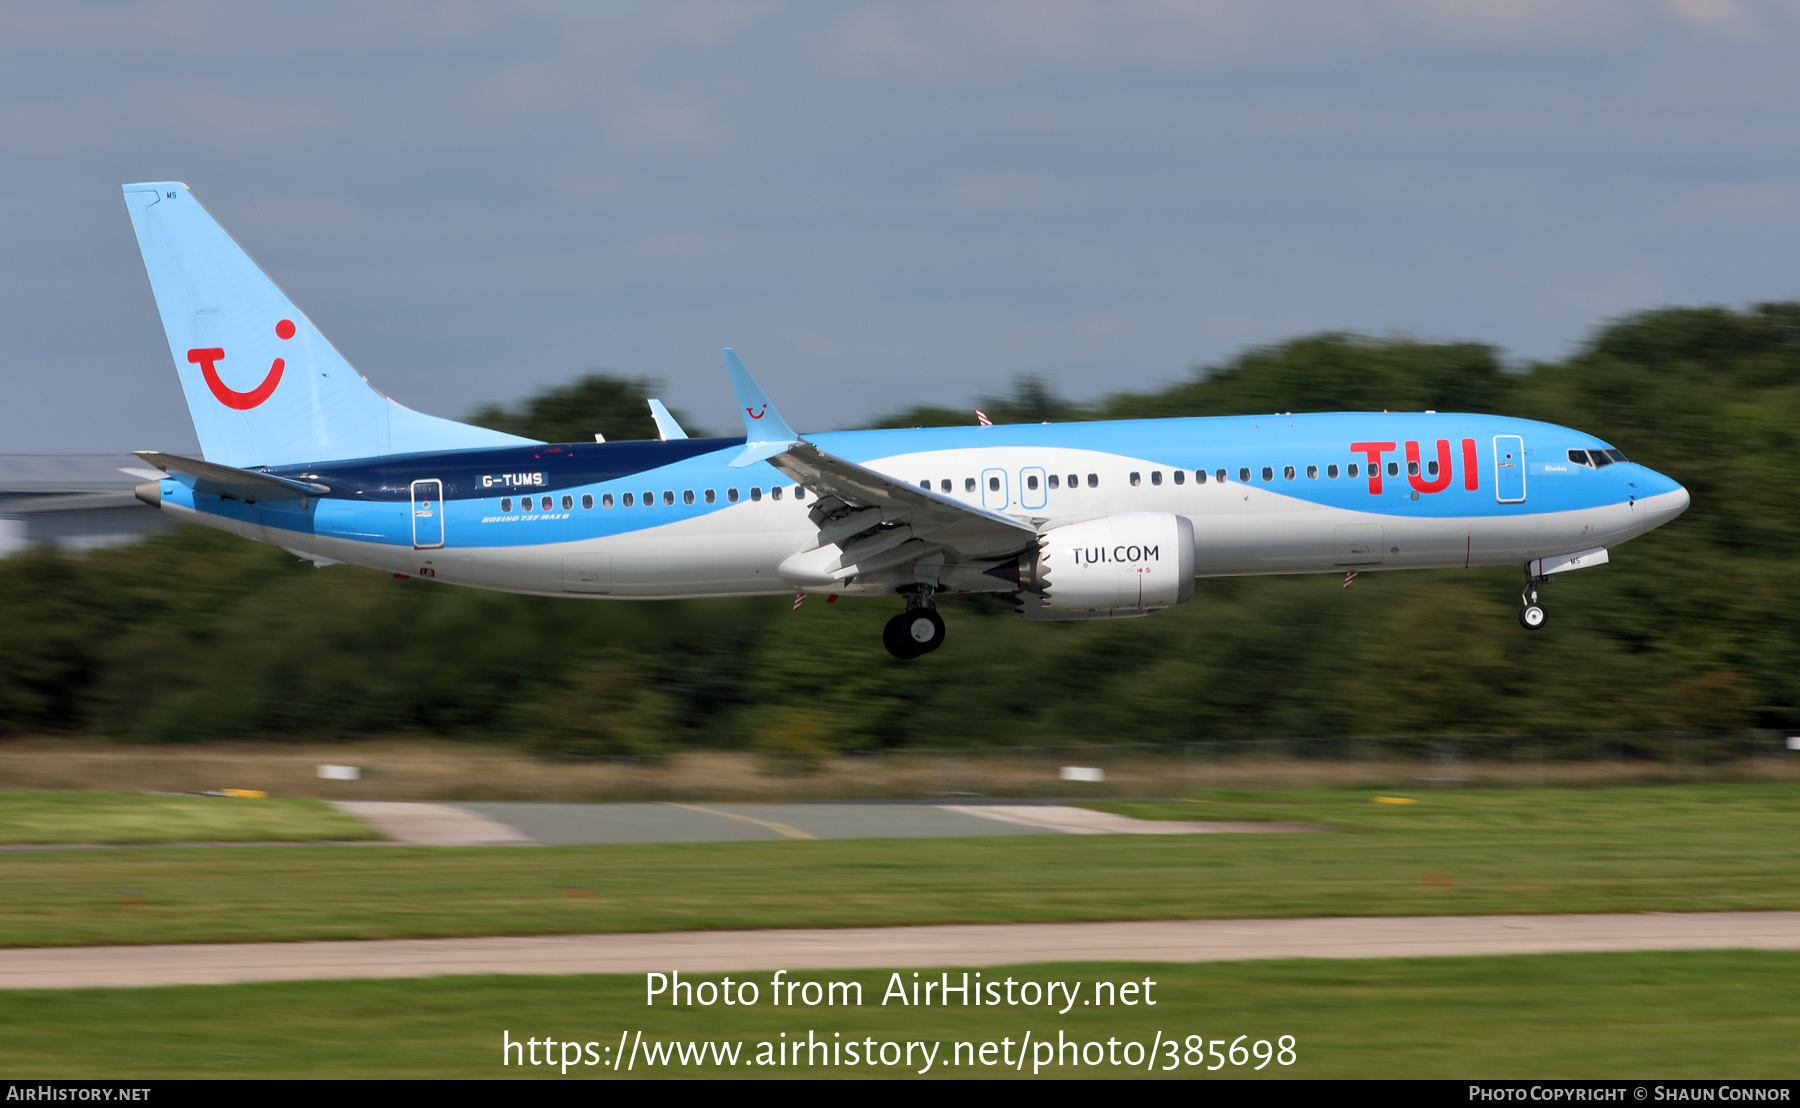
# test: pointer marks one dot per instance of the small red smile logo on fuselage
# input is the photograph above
(231, 398)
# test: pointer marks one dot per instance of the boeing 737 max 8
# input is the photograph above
(1067, 521)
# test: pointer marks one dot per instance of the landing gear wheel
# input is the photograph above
(1532, 617)
(890, 638)
(925, 628)
(912, 633)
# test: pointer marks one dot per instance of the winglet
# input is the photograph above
(766, 434)
(666, 427)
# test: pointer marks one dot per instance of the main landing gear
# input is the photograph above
(918, 630)
(1531, 613)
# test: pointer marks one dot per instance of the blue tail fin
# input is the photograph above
(263, 385)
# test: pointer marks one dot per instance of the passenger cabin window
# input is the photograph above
(774, 492)
(1244, 474)
(1220, 476)
(649, 498)
(1093, 480)
(1031, 481)
(755, 492)
(1268, 473)
(568, 502)
(1055, 481)
(799, 492)
(1412, 469)
(1287, 473)
(1393, 469)
(968, 484)
(687, 496)
(1431, 467)
(606, 500)
(669, 497)
(587, 501)
(944, 485)
(1156, 477)
(993, 484)
(1136, 480)
(712, 497)
(1353, 469)
(1331, 472)
(1074, 482)
(1199, 477)
(628, 500)
(926, 485)
(731, 495)
(1180, 476)
(1312, 473)
(506, 503)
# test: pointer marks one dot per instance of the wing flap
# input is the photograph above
(972, 533)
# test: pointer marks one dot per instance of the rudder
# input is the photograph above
(264, 386)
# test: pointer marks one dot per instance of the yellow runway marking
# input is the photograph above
(778, 828)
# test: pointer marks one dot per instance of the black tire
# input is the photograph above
(891, 637)
(1532, 616)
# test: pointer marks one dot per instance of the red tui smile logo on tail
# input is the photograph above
(231, 398)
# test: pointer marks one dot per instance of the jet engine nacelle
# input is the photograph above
(1139, 560)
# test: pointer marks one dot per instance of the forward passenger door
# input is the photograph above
(1509, 469)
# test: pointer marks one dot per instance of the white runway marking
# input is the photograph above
(431, 824)
(897, 947)
(1084, 821)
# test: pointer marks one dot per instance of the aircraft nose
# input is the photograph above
(1666, 506)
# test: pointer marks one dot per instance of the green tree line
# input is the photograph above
(197, 635)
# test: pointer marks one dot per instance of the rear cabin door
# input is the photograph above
(1509, 469)
(995, 496)
(428, 514)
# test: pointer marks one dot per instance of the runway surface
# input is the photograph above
(493, 823)
(897, 947)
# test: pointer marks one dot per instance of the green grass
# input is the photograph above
(72, 816)
(1676, 848)
(1700, 809)
(1641, 1015)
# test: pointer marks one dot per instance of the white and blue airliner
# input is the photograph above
(1069, 521)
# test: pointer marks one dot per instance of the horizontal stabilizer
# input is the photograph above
(211, 477)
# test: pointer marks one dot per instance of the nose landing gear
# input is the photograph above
(1531, 613)
(918, 630)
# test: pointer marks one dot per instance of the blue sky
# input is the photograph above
(880, 204)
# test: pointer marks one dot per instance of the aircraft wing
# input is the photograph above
(868, 522)
(243, 484)
(935, 519)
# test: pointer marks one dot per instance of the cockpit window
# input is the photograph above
(1579, 457)
(1615, 456)
(1600, 458)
